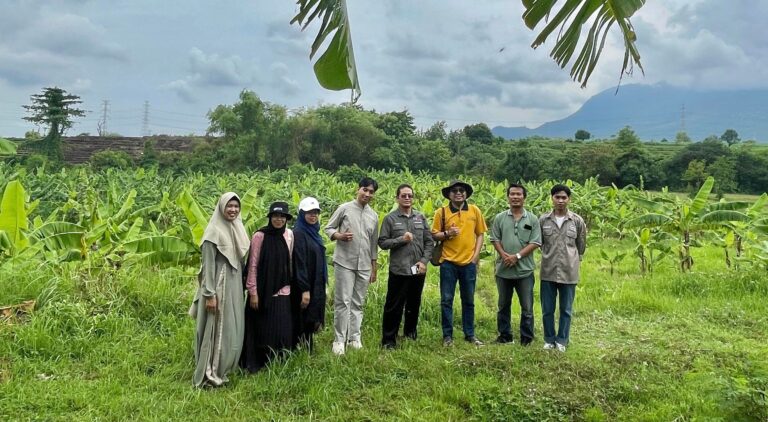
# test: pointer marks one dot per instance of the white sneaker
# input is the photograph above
(560, 347)
(355, 344)
(549, 346)
(338, 348)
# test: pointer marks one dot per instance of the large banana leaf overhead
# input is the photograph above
(335, 69)
(569, 20)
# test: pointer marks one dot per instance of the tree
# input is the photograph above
(695, 174)
(682, 138)
(479, 132)
(582, 135)
(730, 137)
(626, 139)
(437, 131)
(55, 109)
(336, 69)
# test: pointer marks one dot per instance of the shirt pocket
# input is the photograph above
(547, 230)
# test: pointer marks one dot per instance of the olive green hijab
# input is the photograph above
(230, 237)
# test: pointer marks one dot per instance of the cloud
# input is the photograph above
(73, 36)
(212, 71)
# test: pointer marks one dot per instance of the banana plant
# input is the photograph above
(13, 218)
(681, 218)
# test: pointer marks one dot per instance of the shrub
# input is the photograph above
(111, 159)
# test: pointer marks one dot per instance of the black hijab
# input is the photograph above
(274, 271)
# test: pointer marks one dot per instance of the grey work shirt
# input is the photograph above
(403, 255)
(363, 222)
(514, 236)
(562, 247)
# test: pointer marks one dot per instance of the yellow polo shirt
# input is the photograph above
(469, 220)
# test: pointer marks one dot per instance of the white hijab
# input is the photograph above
(229, 237)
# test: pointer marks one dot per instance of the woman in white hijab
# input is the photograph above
(219, 302)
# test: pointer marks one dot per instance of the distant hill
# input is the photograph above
(656, 112)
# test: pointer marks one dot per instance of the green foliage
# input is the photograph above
(111, 159)
(582, 135)
(7, 147)
(56, 109)
(730, 137)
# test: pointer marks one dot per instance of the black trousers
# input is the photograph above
(403, 292)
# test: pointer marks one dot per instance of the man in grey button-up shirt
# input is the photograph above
(407, 235)
(355, 228)
(563, 241)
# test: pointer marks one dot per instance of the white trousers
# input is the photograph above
(348, 300)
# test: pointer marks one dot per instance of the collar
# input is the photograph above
(568, 215)
(525, 213)
(464, 207)
(402, 214)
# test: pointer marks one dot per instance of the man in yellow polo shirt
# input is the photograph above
(460, 226)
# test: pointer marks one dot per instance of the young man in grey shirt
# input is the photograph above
(355, 228)
(564, 240)
(515, 234)
(407, 235)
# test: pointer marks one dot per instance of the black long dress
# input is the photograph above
(309, 274)
(269, 330)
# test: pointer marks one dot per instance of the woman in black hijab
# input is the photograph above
(268, 320)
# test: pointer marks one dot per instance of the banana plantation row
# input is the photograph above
(142, 217)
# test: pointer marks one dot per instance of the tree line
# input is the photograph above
(253, 134)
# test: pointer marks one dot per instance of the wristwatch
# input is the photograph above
(519, 256)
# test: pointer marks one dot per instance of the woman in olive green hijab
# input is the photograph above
(218, 305)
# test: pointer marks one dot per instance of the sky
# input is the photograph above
(461, 61)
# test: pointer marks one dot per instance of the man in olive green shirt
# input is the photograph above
(564, 240)
(515, 234)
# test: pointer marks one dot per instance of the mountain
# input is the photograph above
(658, 111)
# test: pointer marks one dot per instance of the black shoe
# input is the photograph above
(474, 340)
(504, 340)
(448, 341)
(388, 346)
(410, 336)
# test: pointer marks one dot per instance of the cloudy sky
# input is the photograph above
(440, 59)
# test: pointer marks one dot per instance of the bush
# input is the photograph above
(111, 159)
(33, 161)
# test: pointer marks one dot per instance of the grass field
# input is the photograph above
(669, 346)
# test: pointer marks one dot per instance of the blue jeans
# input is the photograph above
(466, 275)
(549, 292)
(506, 288)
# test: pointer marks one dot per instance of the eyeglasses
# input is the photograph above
(406, 195)
(279, 216)
(458, 190)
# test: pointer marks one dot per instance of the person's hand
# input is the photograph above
(373, 276)
(408, 237)
(304, 300)
(254, 302)
(421, 268)
(344, 236)
(508, 260)
(476, 259)
(453, 231)
(211, 303)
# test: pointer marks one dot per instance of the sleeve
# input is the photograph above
(536, 231)
(334, 223)
(301, 268)
(437, 222)
(581, 237)
(375, 240)
(429, 243)
(253, 262)
(496, 229)
(385, 241)
(208, 260)
(480, 227)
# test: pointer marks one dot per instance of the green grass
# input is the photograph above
(668, 346)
